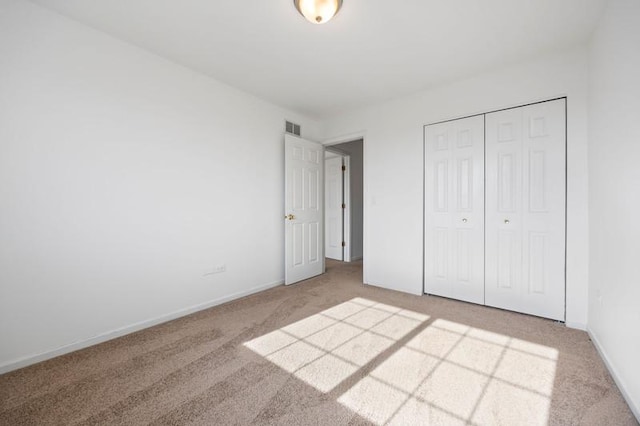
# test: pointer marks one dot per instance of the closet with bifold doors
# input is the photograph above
(494, 209)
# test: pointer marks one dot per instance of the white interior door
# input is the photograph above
(334, 212)
(525, 209)
(454, 209)
(304, 196)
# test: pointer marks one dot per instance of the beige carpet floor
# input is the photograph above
(327, 351)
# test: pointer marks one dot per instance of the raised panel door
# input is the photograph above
(525, 209)
(454, 209)
(333, 208)
(304, 209)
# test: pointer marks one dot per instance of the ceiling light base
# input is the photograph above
(318, 11)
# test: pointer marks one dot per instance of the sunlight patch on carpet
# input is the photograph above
(440, 373)
(326, 348)
(450, 373)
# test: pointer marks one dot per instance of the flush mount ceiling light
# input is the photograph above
(318, 11)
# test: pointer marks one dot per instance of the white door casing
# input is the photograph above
(346, 212)
(334, 220)
(525, 209)
(304, 208)
(454, 209)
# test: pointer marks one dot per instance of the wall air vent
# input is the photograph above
(292, 128)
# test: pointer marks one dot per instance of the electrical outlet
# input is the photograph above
(218, 269)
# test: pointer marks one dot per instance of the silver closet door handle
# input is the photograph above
(506, 221)
(464, 220)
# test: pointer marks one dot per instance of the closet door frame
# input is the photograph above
(566, 140)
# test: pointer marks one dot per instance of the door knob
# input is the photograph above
(464, 220)
(290, 217)
(506, 221)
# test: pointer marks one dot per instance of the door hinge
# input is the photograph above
(344, 206)
(344, 244)
(344, 168)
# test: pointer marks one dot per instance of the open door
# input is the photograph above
(304, 207)
(334, 206)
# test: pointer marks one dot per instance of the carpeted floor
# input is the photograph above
(327, 351)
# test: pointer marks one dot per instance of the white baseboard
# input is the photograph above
(576, 325)
(33, 359)
(614, 373)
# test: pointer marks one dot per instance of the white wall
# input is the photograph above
(123, 179)
(614, 194)
(393, 134)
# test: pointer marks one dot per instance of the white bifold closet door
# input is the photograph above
(525, 209)
(454, 209)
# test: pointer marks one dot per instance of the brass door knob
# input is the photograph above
(290, 217)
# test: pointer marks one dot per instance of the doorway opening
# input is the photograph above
(344, 201)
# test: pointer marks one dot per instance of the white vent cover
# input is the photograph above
(292, 128)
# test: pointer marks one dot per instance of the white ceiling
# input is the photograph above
(373, 50)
